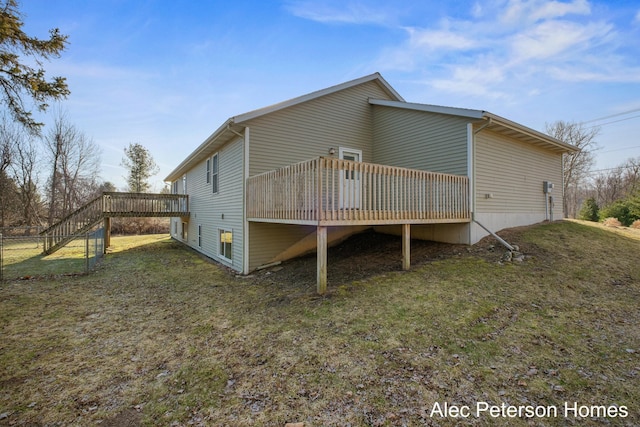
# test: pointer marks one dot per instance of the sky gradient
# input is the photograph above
(166, 74)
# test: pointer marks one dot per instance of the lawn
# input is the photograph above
(158, 335)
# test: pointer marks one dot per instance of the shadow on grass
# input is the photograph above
(22, 261)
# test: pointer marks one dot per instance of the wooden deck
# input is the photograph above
(332, 192)
(328, 191)
(113, 204)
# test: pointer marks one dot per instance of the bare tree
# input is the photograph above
(576, 165)
(25, 171)
(9, 139)
(75, 160)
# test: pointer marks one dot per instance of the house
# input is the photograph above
(297, 176)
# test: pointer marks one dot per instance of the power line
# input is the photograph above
(615, 121)
(612, 115)
(619, 149)
(610, 169)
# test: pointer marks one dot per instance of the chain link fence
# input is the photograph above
(21, 254)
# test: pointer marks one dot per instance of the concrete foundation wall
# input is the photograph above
(446, 233)
(499, 221)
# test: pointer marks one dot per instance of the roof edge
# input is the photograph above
(531, 132)
(430, 108)
(322, 92)
(178, 171)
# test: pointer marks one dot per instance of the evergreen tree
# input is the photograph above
(590, 210)
(141, 166)
(18, 77)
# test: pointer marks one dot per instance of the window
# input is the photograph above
(184, 231)
(175, 228)
(226, 244)
(214, 172)
(184, 184)
(208, 171)
(174, 188)
(199, 235)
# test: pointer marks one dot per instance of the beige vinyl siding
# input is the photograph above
(513, 173)
(268, 240)
(308, 130)
(207, 209)
(420, 140)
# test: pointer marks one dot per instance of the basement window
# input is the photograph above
(226, 244)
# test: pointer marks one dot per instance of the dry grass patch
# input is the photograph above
(158, 335)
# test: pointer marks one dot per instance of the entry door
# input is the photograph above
(350, 186)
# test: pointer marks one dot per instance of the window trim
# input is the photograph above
(220, 244)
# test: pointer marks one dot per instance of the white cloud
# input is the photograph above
(514, 48)
(519, 11)
(352, 12)
(439, 39)
(557, 38)
(480, 79)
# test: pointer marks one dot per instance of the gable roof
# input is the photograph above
(226, 131)
(493, 122)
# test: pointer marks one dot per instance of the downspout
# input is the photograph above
(245, 174)
(498, 238)
(472, 190)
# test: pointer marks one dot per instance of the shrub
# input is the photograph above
(590, 210)
(611, 222)
(621, 210)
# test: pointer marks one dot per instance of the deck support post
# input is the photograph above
(107, 233)
(322, 259)
(406, 246)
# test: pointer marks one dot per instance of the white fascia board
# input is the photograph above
(530, 132)
(461, 112)
(183, 166)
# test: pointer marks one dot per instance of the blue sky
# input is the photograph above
(166, 74)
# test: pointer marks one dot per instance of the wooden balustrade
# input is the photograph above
(144, 204)
(112, 204)
(329, 191)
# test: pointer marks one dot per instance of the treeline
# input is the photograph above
(614, 194)
(44, 178)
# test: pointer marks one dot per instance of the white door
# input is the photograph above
(350, 186)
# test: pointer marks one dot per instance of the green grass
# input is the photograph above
(162, 336)
(23, 258)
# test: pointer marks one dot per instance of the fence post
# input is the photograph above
(1, 256)
(86, 253)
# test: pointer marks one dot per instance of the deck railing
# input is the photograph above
(144, 204)
(112, 204)
(333, 191)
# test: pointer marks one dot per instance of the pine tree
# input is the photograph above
(141, 166)
(19, 80)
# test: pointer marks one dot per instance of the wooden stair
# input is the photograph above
(112, 204)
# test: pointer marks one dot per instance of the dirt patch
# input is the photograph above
(370, 254)
(126, 418)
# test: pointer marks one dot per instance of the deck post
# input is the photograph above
(322, 259)
(107, 233)
(406, 246)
